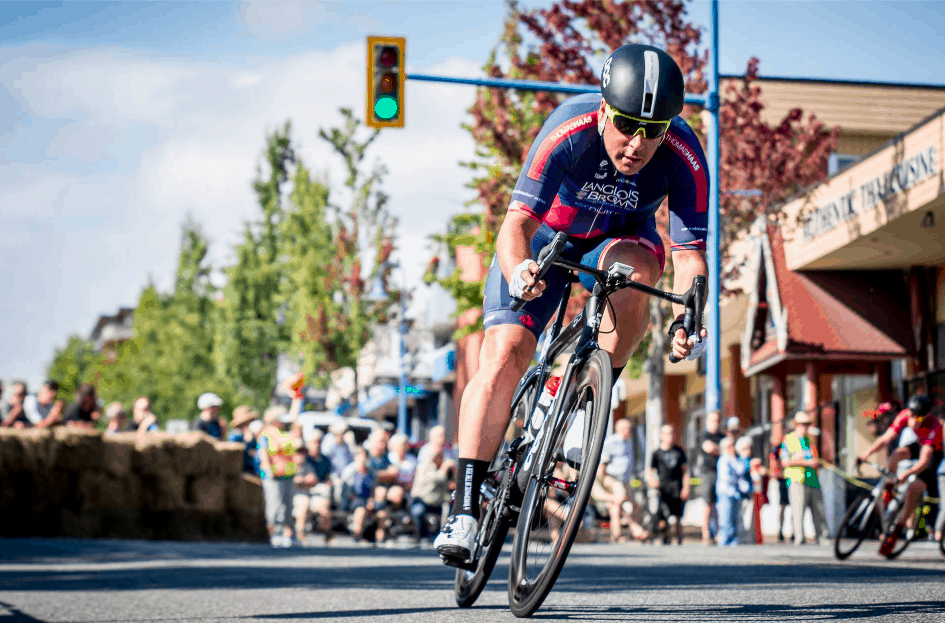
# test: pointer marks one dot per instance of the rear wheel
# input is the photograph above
(494, 525)
(559, 486)
(860, 522)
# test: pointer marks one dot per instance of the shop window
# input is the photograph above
(838, 162)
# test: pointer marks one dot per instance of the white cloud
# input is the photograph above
(198, 133)
(275, 17)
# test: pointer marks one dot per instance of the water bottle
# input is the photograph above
(545, 400)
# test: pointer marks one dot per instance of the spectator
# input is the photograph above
(357, 483)
(277, 466)
(733, 428)
(751, 520)
(83, 412)
(731, 487)
(940, 520)
(668, 473)
(338, 452)
(799, 456)
(612, 485)
(709, 451)
(209, 420)
(43, 409)
(379, 463)
(116, 417)
(313, 486)
(243, 416)
(777, 472)
(16, 415)
(141, 417)
(431, 489)
(436, 434)
(406, 465)
(394, 519)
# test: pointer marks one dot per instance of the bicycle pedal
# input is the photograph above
(459, 563)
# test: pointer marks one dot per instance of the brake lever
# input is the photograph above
(546, 258)
(694, 300)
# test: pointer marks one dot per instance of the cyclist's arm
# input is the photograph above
(513, 244)
(687, 265)
(881, 442)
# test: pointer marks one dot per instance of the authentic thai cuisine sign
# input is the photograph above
(882, 188)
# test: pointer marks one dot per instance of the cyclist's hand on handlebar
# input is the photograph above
(524, 277)
(682, 346)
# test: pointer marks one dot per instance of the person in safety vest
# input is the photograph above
(278, 465)
(800, 460)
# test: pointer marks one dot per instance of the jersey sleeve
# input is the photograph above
(550, 158)
(900, 422)
(688, 189)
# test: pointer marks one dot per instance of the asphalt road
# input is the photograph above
(130, 581)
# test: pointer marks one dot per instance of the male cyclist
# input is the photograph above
(598, 170)
(926, 451)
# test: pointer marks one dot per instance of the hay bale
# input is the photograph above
(78, 449)
(244, 493)
(29, 449)
(163, 491)
(231, 457)
(119, 452)
(207, 494)
(195, 455)
(153, 454)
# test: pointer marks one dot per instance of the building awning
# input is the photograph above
(839, 316)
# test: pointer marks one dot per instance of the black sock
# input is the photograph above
(469, 476)
(617, 372)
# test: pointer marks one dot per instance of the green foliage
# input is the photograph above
(71, 366)
(170, 356)
(296, 287)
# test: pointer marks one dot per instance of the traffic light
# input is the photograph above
(386, 73)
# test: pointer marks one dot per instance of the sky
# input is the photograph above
(117, 119)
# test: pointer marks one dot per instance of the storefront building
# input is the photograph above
(845, 305)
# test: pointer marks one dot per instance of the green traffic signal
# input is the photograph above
(386, 108)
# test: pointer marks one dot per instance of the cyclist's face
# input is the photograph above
(629, 154)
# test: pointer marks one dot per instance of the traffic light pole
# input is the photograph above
(710, 103)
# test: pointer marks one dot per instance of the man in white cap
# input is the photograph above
(209, 420)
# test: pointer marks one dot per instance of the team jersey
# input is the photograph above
(568, 178)
(929, 432)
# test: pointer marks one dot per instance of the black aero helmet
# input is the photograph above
(643, 82)
(919, 404)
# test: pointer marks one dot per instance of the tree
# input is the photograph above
(71, 366)
(169, 358)
(325, 248)
(251, 330)
(564, 40)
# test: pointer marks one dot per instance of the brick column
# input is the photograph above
(739, 397)
(778, 404)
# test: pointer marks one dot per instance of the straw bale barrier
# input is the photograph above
(72, 482)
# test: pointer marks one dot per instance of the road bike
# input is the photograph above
(876, 514)
(541, 477)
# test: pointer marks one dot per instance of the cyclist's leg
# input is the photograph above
(508, 345)
(644, 252)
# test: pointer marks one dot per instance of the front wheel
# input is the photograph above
(494, 525)
(559, 486)
(859, 522)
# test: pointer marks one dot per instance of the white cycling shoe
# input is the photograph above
(458, 537)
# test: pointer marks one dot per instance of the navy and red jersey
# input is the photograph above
(568, 180)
